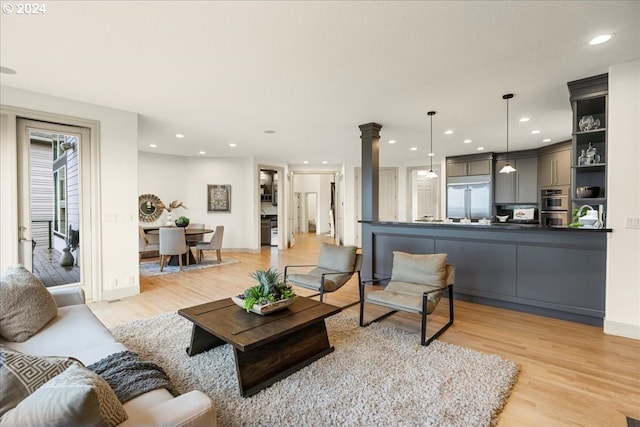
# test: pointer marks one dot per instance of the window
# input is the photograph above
(60, 201)
(56, 140)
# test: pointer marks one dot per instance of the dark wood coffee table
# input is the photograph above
(267, 348)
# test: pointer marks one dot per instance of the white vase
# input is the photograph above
(169, 220)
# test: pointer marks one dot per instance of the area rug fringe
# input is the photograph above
(377, 375)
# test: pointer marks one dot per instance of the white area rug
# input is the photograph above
(152, 268)
(376, 376)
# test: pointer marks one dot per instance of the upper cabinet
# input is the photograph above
(520, 186)
(554, 165)
(589, 101)
(476, 164)
(269, 186)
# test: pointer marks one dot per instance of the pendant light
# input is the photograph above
(507, 168)
(431, 174)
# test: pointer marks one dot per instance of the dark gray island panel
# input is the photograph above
(564, 278)
(552, 272)
(482, 268)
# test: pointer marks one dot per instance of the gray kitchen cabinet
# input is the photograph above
(469, 165)
(520, 186)
(457, 169)
(554, 167)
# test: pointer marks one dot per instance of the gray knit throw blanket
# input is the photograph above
(129, 376)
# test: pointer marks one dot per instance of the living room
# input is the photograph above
(121, 154)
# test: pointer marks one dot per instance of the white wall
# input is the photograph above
(186, 179)
(117, 269)
(623, 186)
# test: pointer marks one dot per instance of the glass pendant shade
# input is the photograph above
(431, 174)
(507, 168)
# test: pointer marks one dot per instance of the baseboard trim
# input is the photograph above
(119, 293)
(622, 329)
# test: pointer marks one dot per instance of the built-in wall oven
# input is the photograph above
(554, 207)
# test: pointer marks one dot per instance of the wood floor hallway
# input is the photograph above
(571, 374)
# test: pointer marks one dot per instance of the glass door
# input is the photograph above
(53, 227)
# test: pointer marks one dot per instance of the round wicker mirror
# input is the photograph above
(149, 208)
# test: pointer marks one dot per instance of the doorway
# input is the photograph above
(316, 201)
(423, 194)
(311, 213)
(53, 213)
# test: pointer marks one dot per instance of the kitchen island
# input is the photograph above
(555, 272)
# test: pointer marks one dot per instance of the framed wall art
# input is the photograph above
(218, 198)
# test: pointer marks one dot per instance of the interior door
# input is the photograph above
(53, 213)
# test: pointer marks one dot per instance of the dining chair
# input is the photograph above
(144, 245)
(172, 242)
(214, 244)
(194, 239)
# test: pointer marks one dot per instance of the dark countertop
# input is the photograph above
(492, 226)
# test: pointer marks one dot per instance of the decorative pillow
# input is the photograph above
(76, 397)
(422, 269)
(22, 374)
(337, 258)
(25, 304)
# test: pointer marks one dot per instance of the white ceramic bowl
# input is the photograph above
(588, 221)
(502, 218)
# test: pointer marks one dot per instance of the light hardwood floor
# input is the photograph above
(571, 374)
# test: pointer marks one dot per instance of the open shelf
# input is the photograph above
(589, 102)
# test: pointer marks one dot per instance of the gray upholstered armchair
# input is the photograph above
(416, 285)
(336, 265)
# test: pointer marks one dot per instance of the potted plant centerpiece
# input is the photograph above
(269, 295)
(183, 221)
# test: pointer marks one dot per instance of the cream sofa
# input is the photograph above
(78, 333)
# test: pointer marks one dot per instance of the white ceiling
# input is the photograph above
(224, 72)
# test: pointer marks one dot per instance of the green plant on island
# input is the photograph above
(270, 288)
(577, 213)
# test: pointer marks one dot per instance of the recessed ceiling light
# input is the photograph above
(535, 132)
(467, 141)
(202, 152)
(448, 132)
(431, 154)
(480, 148)
(546, 140)
(306, 162)
(413, 148)
(232, 145)
(7, 70)
(269, 131)
(179, 135)
(603, 38)
(324, 162)
(524, 119)
(392, 141)
(153, 146)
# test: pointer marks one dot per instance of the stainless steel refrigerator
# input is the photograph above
(469, 197)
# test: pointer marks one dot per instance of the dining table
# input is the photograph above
(187, 232)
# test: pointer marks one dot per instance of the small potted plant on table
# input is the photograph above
(269, 295)
(183, 221)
